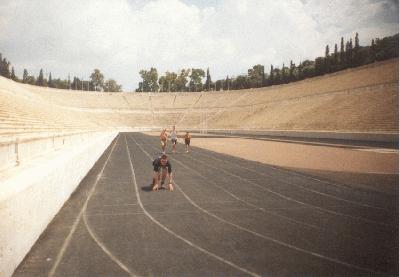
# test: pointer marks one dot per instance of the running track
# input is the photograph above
(226, 217)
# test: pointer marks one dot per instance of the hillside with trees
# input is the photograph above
(95, 83)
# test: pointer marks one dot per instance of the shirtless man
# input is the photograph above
(187, 141)
(163, 140)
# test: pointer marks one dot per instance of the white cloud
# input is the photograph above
(121, 37)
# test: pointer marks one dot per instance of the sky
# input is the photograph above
(122, 37)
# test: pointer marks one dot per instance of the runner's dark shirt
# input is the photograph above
(157, 165)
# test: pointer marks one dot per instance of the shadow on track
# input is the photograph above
(147, 188)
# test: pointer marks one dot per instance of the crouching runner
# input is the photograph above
(162, 170)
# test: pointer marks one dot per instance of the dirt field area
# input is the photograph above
(373, 168)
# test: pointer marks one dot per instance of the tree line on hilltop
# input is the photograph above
(95, 83)
(350, 54)
(347, 55)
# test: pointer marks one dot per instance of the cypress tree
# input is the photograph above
(373, 51)
(327, 65)
(300, 71)
(357, 59)
(1, 66)
(356, 42)
(342, 54)
(51, 81)
(326, 51)
(350, 62)
(291, 71)
(5, 68)
(263, 76)
(8, 73)
(25, 76)
(227, 83)
(271, 76)
(335, 58)
(13, 76)
(208, 80)
(40, 79)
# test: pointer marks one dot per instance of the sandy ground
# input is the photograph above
(302, 156)
(369, 169)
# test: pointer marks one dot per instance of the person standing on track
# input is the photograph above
(163, 140)
(162, 170)
(187, 141)
(174, 139)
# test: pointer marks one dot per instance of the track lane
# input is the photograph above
(329, 187)
(221, 216)
(284, 191)
(338, 261)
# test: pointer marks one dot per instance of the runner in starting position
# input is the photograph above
(162, 170)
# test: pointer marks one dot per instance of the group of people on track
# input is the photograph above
(161, 166)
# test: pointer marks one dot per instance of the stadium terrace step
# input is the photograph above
(360, 99)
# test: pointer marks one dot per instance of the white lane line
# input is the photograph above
(306, 204)
(104, 248)
(120, 205)
(343, 186)
(99, 243)
(172, 232)
(196, 212)
(334, 145)
(77, 220)
(380, 150)
(293, 184)
(269, 210)
(268, 237)
(162, 203)
(169, 212)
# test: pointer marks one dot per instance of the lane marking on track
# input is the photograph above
(104, 248)
(169, 212)
(269, 210)
(293, 184)
(303, 203)
(265, 210)
(293, 247)
(316, 143)
(172, 232)
(120, 205)
(77, 220)
(162, 203)
(196, 212)
(225, 201)
(332, 145)
(343, 186)
(380, 150)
